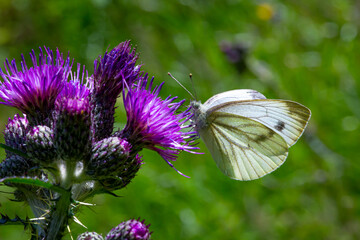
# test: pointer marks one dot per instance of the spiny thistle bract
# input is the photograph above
(65, 137)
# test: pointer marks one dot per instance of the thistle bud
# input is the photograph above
(130, 230)
(72, 135)
(90, 236)
(111, 164)
(40, 144)
(15, 133)
(15, 165)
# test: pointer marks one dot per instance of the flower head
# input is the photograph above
(112, 72)
(34, 90)
(130, 230)
(115, 70)
(156, 124)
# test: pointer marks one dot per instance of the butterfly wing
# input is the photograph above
(242, 148)
(286, 118)
(249, 135)
(231, 96)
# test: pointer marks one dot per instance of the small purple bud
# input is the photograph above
(15, 133)
(111, 163)
(90, 236)
(40, 145)
(15, 166)
(130, 230)
(15, 137)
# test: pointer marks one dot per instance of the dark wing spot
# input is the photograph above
(280, 126)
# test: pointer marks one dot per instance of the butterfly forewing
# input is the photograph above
(233, 95)
(242, 148)
(286, 118)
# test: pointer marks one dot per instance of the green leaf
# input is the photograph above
(20, 153)
(34, 182)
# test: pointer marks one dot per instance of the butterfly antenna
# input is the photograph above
(181, 85)
(193, 86)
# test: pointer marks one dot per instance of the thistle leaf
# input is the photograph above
(20, 153)
(33, 182)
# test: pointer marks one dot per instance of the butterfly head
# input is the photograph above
(199, 115)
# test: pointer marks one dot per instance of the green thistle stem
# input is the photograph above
(59, 217)
(61, 213)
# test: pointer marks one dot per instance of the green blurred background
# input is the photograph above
(306, 51)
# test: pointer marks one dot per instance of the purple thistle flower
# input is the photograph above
(154, 123)
(65, 139)
(34, 90)
(112, 72)
(77, 87)
(130, 230)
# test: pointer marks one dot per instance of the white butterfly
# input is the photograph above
(248, 135)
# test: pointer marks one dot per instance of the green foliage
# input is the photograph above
(306, 51)
(32, 182)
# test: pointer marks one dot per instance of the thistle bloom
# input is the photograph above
(115, 70)
(70, 117)
(66, 136)
(156, 124)
(34, 90)
(112, 72)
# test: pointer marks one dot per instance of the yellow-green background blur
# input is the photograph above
(307, 51)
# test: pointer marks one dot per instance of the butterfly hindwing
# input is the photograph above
(242, 148)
